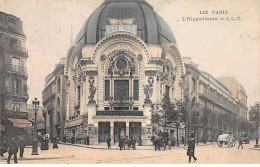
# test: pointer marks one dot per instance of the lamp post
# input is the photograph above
(35, 140)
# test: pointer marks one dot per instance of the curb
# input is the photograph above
(43, 158)
(139, 148)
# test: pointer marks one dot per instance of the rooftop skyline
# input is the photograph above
(220, 48)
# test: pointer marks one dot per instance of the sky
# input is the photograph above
(221, 48)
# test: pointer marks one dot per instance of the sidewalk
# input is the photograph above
(43, 154)
(115, 146)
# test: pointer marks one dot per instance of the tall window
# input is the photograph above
(58, 102)
(12, 25)
(15, 64)
(193, 84)
(167, 91)
(78, 95)
(58, 84)
(107, 90)
(16, 106)
(16, 86)
(136, 89)
(121, 90)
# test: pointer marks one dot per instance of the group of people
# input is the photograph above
(12, 147)
(123, 142)
(130, 143)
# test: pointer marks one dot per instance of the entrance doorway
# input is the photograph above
(119, 130)
(103, 131)
(135, 130)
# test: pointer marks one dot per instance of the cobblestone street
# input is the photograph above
(80, 154)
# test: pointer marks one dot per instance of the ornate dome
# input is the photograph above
(151, 28)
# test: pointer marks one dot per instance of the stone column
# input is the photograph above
(127, 129)
(112, 132)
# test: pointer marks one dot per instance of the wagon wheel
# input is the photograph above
(220, 144)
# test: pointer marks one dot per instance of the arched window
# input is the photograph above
(58, 102)
(58, 119)
(58, 82)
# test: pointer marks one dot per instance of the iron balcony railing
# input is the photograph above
(119, 113)
(15, 91)
(15, 114)
(17, 69)
(17, 49)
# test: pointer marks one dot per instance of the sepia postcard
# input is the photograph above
(130, 82)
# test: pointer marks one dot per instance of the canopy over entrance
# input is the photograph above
(20, 123)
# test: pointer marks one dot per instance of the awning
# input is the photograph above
(20, 123)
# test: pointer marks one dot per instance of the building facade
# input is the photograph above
(123, 62)
(223, 100)
(124, 59)
(53, 97)
(13, 74)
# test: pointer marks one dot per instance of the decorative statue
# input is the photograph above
(148, 91)
(92, 90)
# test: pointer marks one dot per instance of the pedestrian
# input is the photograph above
(133, 144)
(121, 143)
(22, 146)
(72, 140)
(240, 143)
(3, 146)
(108, 143)
(182, 139)
(191, 148)
(12, 150)
(87, 140)
(55, 143)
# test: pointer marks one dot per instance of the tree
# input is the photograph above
(254, 116)
(165, 115)
(205, 121)
(195, 118)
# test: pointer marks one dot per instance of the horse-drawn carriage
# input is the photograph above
(162, 141)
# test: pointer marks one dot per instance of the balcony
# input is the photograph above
(119, 113)
(17, 69)
(219, 101)
(15, 114)
(15, 92)
(49, 93)
(22, 51)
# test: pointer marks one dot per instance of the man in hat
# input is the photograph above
(22, 145)
(121, 143)
(108, 143)
(240, 143)
(191, 148)
(12, 150)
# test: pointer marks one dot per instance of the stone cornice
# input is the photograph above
(120, 117)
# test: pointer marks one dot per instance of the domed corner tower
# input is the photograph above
(124, 59)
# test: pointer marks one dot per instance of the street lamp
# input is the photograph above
(35, 140)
